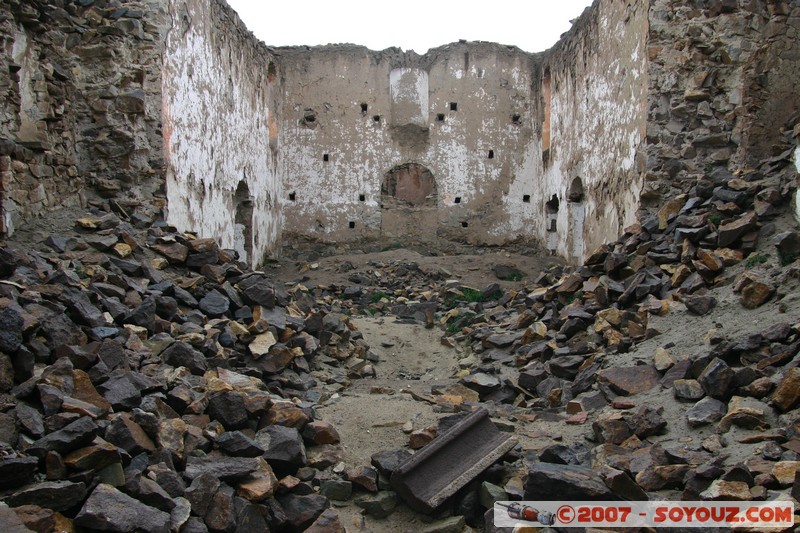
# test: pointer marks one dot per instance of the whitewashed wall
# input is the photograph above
(217, 111)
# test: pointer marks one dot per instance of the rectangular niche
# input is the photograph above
(408, 88)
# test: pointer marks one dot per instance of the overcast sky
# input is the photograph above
(532, 25)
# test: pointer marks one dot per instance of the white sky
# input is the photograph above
(532, 25)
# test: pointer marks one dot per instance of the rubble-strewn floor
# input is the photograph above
(666, 367)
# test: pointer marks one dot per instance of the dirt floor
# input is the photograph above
(413, 358)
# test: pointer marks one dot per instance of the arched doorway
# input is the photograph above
(243, 222)
(551, 207)
(577, 218)
(409, 205)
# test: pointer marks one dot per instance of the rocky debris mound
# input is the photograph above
(565, 349)
(149, 381)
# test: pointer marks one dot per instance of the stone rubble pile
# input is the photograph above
(549, 350)
(150, 382)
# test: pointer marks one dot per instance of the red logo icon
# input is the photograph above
(565, 514)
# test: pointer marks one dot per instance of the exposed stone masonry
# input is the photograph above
(81, 111)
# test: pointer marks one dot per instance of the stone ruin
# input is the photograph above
(151, 379)
(277, 151)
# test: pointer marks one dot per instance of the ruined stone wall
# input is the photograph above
(80, 107)
(723, 81)
(592, 161)
(352, 115)
(220, 129)
(473, 115)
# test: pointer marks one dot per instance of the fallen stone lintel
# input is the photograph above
(450, 461)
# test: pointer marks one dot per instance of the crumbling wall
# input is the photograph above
(723, 81)
(80, 108)
(220, 130)
(593, 102)
(352, 115)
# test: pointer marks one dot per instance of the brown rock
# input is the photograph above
(320, 432)
(733, 231)
(611, 428)
(670, 208)
(327, 522)
(40, 519)
(785, 471)
(421, 437)
(663, 477)
(364, 476)
(175, 252)
(754, 291)
(662, 360)
(746, 413)
(700, 305)
(325, 455)
(261, 484)
(787, 395)
(630, 380)
(710, 260)
(756, 294)
(688, 389)
(578, 418)
(95, 457)
(727, 491)
(286, 414)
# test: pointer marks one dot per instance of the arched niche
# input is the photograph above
(243, 222)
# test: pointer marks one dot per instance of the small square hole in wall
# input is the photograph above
(440, 117)
(457, 200)
(292, 197)
(326, 157)
(453, 106)
(362, 197)
(364, 108)
(526, 198)
(516, 118)
(465, 224)
(376, 118)
(351, 224)
(491, 154)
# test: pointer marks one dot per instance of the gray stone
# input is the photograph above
(215, 304)
(567, 481)
(229, 409)
(716, 378)
(387, 461)
(283, 447)
(10, 330)
(379, 505)
(16, 471)
(302, 511)
(108, 509)
(72, 436)
(55, 495)
(201, 492)
(238, 444)
(490, 493)
(182, 354)
(706, 411)
(688, 389)
(335, 489)
(228, 469)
